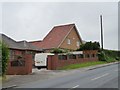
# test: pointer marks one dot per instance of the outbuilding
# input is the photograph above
(21, 58)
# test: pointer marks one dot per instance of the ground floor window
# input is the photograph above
(80, 56)
(87, 55)
(18, 63)
(62, 57)
(93, 55)
(72, 56)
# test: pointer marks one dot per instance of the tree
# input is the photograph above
(4, 51)
(89, 46)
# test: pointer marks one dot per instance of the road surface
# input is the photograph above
(105, 77)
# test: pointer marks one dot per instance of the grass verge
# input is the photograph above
(81, 65)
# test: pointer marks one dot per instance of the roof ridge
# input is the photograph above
(61, 25)
(35, 41)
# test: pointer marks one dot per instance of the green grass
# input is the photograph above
(81, 65)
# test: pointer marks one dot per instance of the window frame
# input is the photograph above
(68, 41)
(78, 43)
(62, 57)
(72, 56)
(80, 56)
(16, 63)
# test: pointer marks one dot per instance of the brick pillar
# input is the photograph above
(52, 62)
(49, 62)
(28, 63)
(55, 62)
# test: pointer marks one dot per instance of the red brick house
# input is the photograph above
(21, 56)
(63, 36)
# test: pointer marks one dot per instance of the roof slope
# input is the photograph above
(54, 37)
(24, 45)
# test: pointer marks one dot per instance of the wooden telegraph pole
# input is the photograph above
(101, 31)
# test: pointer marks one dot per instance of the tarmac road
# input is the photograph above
(105, 77)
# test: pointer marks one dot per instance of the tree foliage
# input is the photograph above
(57, 50)
(90, 46)
(4, 56)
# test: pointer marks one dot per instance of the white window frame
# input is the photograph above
(68, 41)
(78, 43)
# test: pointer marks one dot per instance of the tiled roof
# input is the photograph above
(54, 37)
(24, 45)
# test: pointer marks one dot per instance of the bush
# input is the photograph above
(57, 50)
(109, 55)
(117, 58)
(102, 56)
(5, 56)
(89, 46)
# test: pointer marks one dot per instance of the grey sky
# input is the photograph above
(32, 21)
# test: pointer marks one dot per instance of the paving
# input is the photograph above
(43, 74)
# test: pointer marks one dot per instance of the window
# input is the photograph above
(87, 55)
(78, 43)
(72, 56)
(93, 55)
(18, 63)
(62, 57)
(80, 55)
(23, 52)
(68, 41)
(12, 54)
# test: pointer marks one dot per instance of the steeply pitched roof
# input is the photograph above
(55, 37)
(24, 45)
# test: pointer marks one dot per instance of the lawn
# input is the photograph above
(74, 66)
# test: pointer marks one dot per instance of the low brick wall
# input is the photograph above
(21, 70)
(53, 62)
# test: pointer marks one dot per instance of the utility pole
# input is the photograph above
(101, 31)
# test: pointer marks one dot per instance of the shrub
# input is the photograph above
(89, 46)
(5, 56)
(57, 50)
(102, 56)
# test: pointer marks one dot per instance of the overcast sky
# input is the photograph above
(33, 20)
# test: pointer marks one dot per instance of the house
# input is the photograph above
(21, 55)
(63, 36)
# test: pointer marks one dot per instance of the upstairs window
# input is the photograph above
(68, 41)
(77, 43)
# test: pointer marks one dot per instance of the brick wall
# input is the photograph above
(74, 38)
(20, 70)
(54, 62)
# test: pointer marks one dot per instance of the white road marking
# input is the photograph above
(100, 76)
(75, 86)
